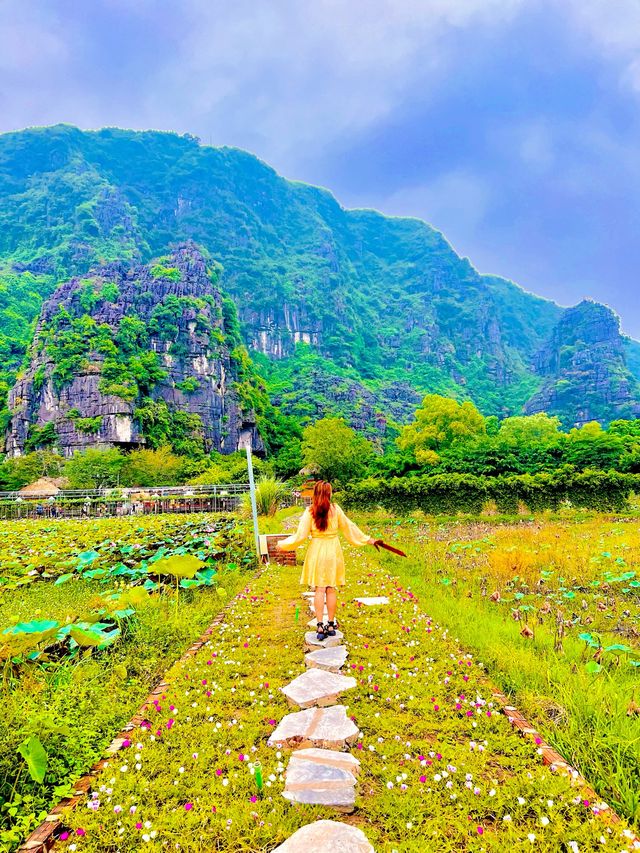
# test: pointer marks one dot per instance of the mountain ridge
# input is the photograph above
(378, 299)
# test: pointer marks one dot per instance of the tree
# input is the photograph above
(535, 429)
(334, 450)
(440, 423)
(18, 472)
(94, 468)
(148, 467)
(591, 447)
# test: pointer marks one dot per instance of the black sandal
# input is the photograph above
(330, 629)
(321, 633)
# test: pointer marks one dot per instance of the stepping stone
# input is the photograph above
(380, 599)
(327, 835)
(330, 659)
(328, 728)
(317, 687)
(322, 777)
(312, 642)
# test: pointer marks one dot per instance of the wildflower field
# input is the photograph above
(526, 607)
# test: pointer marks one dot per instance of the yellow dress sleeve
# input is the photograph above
(351, 531)
(303, 532)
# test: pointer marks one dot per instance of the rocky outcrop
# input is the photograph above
(583, 367)
(317, 394)
(112, 345)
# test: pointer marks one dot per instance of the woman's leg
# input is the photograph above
(332, 601)
(318, 603)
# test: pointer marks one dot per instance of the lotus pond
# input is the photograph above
(91, 615)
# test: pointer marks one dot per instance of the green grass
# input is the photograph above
(440, 768)
(588, 718)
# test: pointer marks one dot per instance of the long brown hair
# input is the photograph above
(321, 504)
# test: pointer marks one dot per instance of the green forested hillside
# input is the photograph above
(381, 308)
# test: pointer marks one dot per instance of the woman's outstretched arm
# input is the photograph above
(303, 532)
(351, 531)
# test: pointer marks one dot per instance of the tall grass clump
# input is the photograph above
(269, 495)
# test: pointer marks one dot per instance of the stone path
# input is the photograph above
(326, 835)
(323, 774)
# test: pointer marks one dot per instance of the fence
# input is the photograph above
(96, 503)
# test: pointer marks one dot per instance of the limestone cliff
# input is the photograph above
(131, 355)
(584, 369)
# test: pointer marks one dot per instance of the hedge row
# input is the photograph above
(451, 493)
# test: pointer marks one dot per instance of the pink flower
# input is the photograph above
(480, 830)
(254, 799)
(170, 723)
(80, 831)
(218, 772)
(64, 836)
(125, 743)
(139, 825)
(188, 807)
(423, 779)
(241, 757)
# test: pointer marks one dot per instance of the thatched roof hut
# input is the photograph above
(45, 487)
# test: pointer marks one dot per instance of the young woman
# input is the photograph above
(324, 563)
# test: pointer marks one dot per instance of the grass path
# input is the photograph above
(441, 768)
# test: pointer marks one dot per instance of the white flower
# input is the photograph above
(521, 801)
(544, 820)
(507, 817)
(531, 837)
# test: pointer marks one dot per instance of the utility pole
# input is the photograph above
(254, 508)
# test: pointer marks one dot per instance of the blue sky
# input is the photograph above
(511, 125)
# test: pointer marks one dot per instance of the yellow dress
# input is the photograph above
(324, 563)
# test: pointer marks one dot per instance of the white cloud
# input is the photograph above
(306, 74)
(613, 26)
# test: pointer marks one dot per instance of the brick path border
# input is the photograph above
(42, 839)
(556, 762)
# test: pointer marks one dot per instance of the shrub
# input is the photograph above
(451, 493)
(269, 494)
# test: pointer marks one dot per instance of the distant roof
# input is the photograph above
(42, 487)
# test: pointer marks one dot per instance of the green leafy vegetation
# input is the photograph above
(551, 607)
(79, 656)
